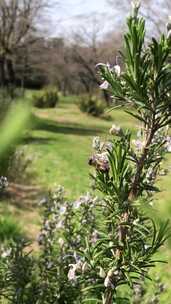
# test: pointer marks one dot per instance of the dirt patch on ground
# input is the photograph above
(22, 202)
(25, 196)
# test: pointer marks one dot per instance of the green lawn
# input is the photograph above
(61, 141)
(60, 144)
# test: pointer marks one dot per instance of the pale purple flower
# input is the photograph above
(108, 283)
(72, 272)
(138, 144)
(49, 265)
(103, 160)
(6, 253)
(85, 199)
(136, 221)
(109, 146)
(150, 174)
(60, 225)
(43, 201)
(78, 238)
(94, 237)
(41, 237)
(169, 24)
(103, 156)
(73, 269)
(104, 85)
(168, 144)
(117, 69)
(47, 225)
(101, 64)
(77, 204)
(96, 143)
(169, 34)
(61, 242)
(62, 210)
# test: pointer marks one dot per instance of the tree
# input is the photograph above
(90, 47)
(18, 26)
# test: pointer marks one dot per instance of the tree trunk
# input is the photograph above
(2, 71)
(11, 76)
(11, 73)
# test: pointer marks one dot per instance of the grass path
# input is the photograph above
(61, 142)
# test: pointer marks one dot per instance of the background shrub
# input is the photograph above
(47, 98)
(91, 105)
(9, 229)
(19, 165)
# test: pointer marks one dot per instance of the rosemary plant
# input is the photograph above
(126, 169)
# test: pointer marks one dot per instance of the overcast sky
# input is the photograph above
(70, 11)
(77, 7)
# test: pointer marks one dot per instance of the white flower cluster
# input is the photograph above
(100, 160)
(55, 209)
(85, 200)
(116, 130)
(111, 277)
(116, 69)
(6, 253)
(96, 144)
(139, 145)
(100, 146)
(168, 144)
(94, 237)
(78, 267)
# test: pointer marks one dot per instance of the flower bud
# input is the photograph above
(135, 7)
(117, 70)
(135, 4)
(79, 265)
(108, 283)
(96, 143)
(115, 130)
(102, 273)
(168, 25)
(61, 242)
(169, 35)
(110, 273)
(104, 85)
(72, 273)
(111, 244)
(85, 267)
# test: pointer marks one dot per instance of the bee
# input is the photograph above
(100, 162)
